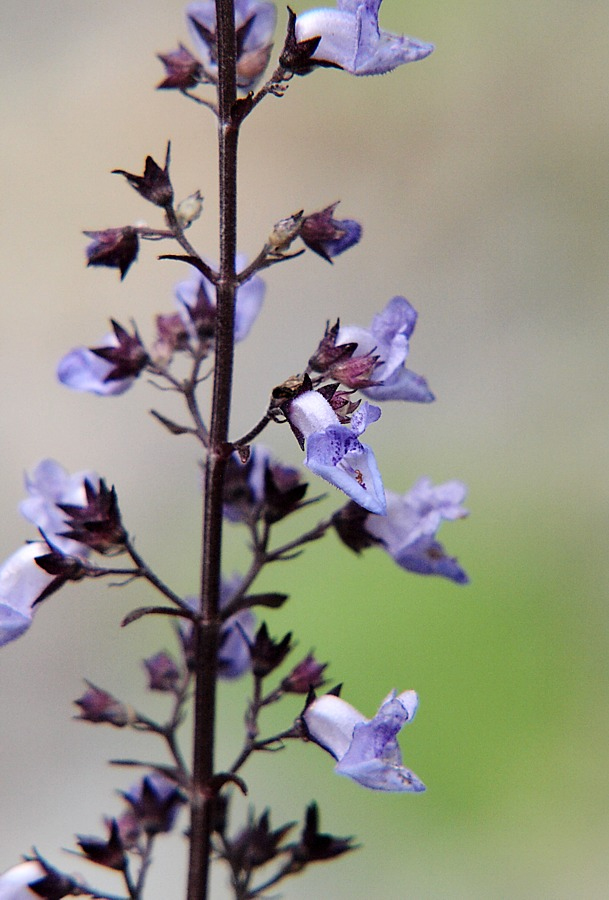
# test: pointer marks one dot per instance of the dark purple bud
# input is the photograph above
(316, 847)
(266, 653)
(154, 185)
(182, 70)
(116, 248)
(257, 844)
(355, 373)
(155, 802)
(349, 523)
(341, 402)
(128, 357)
(52, 886)
(109, 853)
(306, 675)
(172, 336)
(100, 706)
(328, 237)
(98, 524)
(163, 673)
(129, 829)
(283, 492)
(202, 313)
(327, 352)
(296, 56)
(63, 568)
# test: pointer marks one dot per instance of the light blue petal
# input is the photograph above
(379, 776)
(337, 456)
(403, 385)
(13, 623)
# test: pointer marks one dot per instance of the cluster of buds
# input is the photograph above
(257, 845)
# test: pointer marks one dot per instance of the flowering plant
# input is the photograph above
(219, 635)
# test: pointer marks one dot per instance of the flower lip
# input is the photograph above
(408, 530)
(333, 450)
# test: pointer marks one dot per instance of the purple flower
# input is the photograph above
(155, 802)
(334, 452)
(244, 484)
(351, 39)
(388, 338)
(409, 528)
(261, 488)
(327, 236)
(49, 486)
(84, 369)
(197, 297)
(254, 25)
(236, 634)
(22, 582)
(366, 750)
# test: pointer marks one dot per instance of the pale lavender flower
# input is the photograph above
(254, 26)
(15, 882)
(388, 338)
(352, 40)
(22, 582)
(48, 486)
(366, 750)
(334, 452)
(248, 301)
(83, 370)
(408, 530)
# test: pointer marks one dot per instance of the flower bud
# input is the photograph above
(154, 185)
(163, 673)
(97, 524)
(306, 675)
(182, 70)
(99, 706)
(109, 853)
(155, 802)
(328, 237)
(266, 653)
(189, 210)
(116, 248)
(285, 231)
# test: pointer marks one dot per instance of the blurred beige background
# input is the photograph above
(481, 177)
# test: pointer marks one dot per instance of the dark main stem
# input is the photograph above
(202, 808)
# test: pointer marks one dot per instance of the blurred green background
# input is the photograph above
(481, 176)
